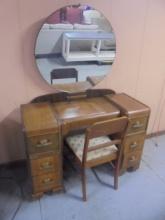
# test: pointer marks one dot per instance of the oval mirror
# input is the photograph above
(75, 48)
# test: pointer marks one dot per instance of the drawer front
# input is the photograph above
(134, 143)
(43, 143)
(137, 124)
(46, 182)
(45, 164)
(82, 123)
(132, 159)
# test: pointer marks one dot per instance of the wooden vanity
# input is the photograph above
(48, 119)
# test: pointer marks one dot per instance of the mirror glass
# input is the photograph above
(75, 48)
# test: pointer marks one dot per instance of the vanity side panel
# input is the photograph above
(43, 148)
(138, 115)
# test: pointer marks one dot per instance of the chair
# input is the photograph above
(95, 146)
(64, 74)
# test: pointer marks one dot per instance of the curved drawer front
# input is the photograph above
(137, 124)
(43, 143)
(46, 182)
(82, 123)
(45, 164)
(134, 142)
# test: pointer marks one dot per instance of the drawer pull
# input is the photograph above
(46, 165)
(43, 143)
(132, 159)
(47, 181)
(137, 125)
(133, 145)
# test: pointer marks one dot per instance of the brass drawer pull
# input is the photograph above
(137, 125)
(46, 165)
(43, 143)
(132, 159)
(47, 181)
(134, 144)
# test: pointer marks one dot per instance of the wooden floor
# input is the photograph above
(141, 194)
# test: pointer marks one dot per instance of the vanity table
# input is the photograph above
(48, 119)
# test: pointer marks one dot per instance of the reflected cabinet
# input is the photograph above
(48, 119)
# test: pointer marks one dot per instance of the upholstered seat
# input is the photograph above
(76, 143)
(95, 147)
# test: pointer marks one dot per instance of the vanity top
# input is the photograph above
(128, 105)
(85, 107)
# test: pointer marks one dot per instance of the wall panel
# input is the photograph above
(138, 70)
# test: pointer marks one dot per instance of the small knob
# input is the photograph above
(43, 143)
(134, 144)
(137, 125)
(46, 165)
(132, 159)
(47, 180)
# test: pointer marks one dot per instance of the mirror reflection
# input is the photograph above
(75, 47)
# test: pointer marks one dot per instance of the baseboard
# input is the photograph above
(50, 55)
(155, 134)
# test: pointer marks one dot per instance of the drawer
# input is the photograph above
(137, 124)
(132, 159)
(45, 164)
(82, 123)
(43, 143)
(133, 143)
(46, 182)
